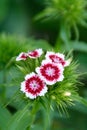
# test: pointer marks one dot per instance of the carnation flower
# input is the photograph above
(21, 56)
(57, 58)
(50, 72)
(48, 80)
(33, 86)
(35, 54)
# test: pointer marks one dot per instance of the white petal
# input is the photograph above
(46, 61)
(19, 56)
(31, 96)
(61, 68)
(50, 82)
(60, 55)
(23, 86)
(39, 51)
(37, 69)
(42, 93)
(29, 75)
(61, 77)
(48, 54)
(67, 62)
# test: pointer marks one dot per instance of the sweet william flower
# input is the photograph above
(50, 72)
(57, 58)
(33, 86)
(21, 56)
(35, 54)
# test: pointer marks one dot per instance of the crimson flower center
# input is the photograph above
(50, 72)
(23, 56)
(34, 85)
(57, 59)
(33, 53)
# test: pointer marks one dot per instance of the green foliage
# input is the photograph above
(68, 15)
(76, 46)
(64, 92)
(63, 95)
(4, 117)
(19, 121)
(3, 9)
(25, 115)
(10, 46)
(59, 24)
(71, 12)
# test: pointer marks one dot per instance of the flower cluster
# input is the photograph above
(50, 71)
(32, 54)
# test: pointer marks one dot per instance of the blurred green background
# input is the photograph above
(26, 25)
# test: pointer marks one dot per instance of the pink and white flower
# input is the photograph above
(21, 56)
(33, 86)
(35, 54)
(50, 72)
(57, 58)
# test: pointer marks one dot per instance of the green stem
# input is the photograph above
(4, 76)
(15, 96)
(10, 62)
(4, 82)
(76, 31)
(23, 112)
(33, 114)
(63, 37)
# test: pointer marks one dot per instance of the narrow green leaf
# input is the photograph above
(20, 120)
(65, 35)
(4, 117)
(79, 46)
(82, 100)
